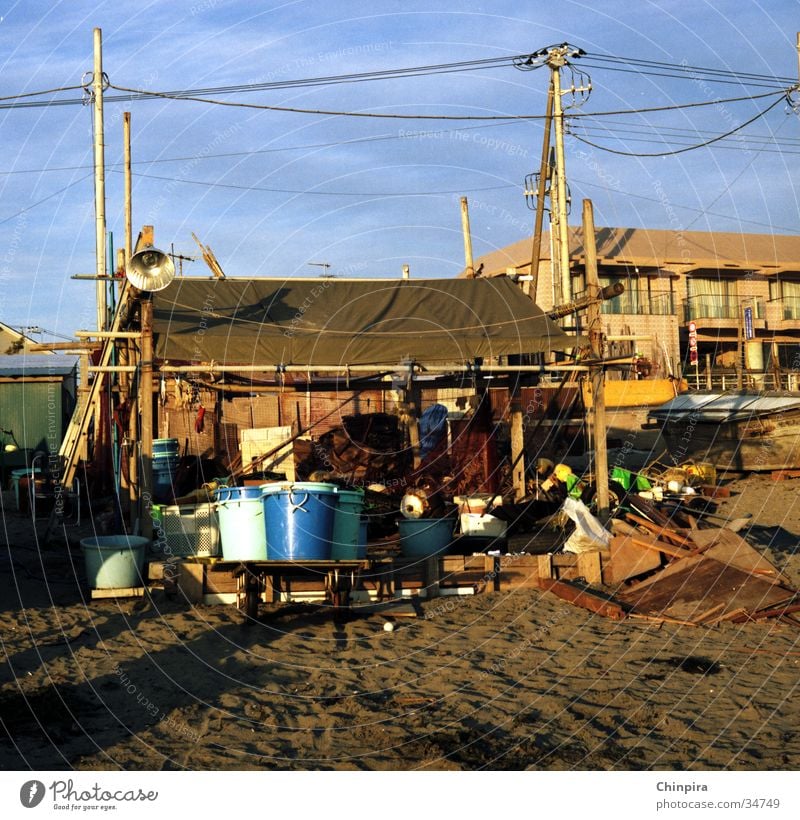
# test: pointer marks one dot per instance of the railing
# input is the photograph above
(708, 306)
(790, 306)
(640, 303)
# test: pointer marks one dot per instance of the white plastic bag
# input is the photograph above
(589, 533)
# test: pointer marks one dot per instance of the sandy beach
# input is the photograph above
(499, 681)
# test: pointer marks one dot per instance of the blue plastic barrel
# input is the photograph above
(165, 447)
(346, 525)
(423, 537)
(114, 561)
(299, 519)
(164, 469)
(241, 523)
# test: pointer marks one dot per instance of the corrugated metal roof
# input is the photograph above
(34, 364)
(721, 407)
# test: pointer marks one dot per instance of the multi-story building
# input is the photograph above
(739, 293)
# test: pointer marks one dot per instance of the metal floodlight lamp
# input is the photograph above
(150, 269)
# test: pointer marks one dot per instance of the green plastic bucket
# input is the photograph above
(114, 561)
(241, 523)
(347, 525)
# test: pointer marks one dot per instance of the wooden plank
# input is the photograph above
(544, 566)
(118, 592)
(697, 585)
(583, 598)
(660, 531)
(661, 546)
(590, 567)
(627, 560)
(782, 475)
(730, 548)
(190, 581)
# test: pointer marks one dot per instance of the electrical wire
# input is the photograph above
(492, 117)
(318, 193)
(689, 147)
(40, 93)
(256, 151)
(692, 69)
(45, 199)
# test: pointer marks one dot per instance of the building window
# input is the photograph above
(637, 299)
(711, 298)
(787, 291)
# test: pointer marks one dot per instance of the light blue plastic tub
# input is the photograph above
(241, 523)
(346, 525)
(114, 561)
(298, 519)
(423, 537)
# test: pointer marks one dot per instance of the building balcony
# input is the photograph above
(640, 303)
(785, 313)
(721, 311)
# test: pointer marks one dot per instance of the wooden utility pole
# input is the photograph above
(597, 372)
(126, 139)
(544, 173)
(99, 180)
(469, 264)
(556, 60)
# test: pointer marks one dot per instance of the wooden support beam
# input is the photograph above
(146, 416)
(583, 598)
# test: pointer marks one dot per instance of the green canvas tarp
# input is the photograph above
(343, 322)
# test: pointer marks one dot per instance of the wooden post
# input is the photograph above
(469, 264)
(126, 152)
(517, 443)
(146, 415)
(99, 185)
(544, 167)
(598, 375)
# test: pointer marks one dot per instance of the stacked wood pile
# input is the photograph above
(692, 577)
(366, 448)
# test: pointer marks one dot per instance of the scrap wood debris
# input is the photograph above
(693, 577)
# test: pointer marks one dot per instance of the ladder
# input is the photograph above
(78, 427)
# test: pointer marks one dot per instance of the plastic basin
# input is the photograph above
(423, 537)
(114, 561)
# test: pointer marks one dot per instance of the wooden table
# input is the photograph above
(340, 577)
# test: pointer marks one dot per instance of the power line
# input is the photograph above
(257, 151)
(461, 117)
(687, 148)
(318, 193)
(45, 199)
(694, 71)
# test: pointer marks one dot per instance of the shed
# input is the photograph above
(37, 396)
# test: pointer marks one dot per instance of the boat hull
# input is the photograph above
(748, 446)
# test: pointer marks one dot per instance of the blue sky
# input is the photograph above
(368, 207)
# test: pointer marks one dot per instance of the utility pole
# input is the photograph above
(469, 264)
(544, 167)
(99, 180)
(556, 59)
(126, 140)
(597, 372)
